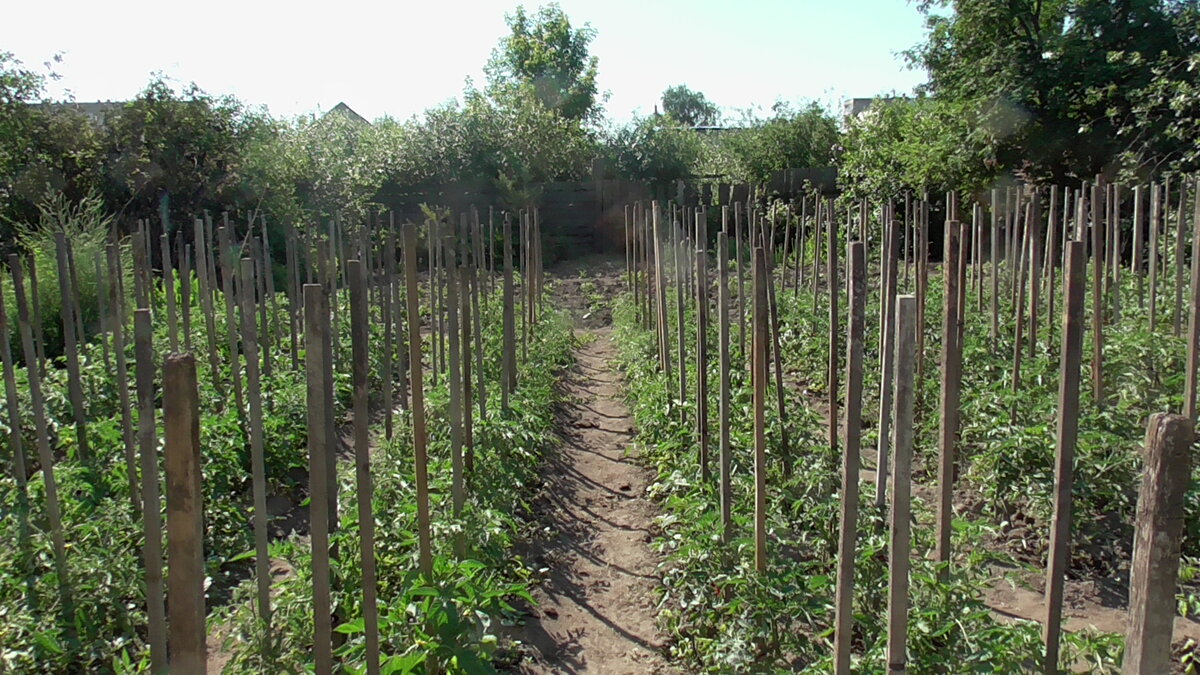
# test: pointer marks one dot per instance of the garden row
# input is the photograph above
(788, 525)
(324, 499)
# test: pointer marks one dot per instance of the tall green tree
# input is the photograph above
(791, 138)
(1052, 83)
(544, 54)
(689, 107)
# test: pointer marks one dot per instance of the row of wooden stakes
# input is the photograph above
(462, 267)
(1035, 248)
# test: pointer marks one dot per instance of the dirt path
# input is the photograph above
(596, 611)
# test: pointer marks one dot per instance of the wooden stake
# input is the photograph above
(262, 561)
(45, 455)
(316, 319)
(152, 554)
(13, 407)
(71, 349)
(887, 342)
(1156, 548)
(1097, 299)
(844, 610)
(1193, 335)
(901, 484)
(210, 332)
(509, 356)
(185, 514)
(951, 367)
(1058, 559)
(231, 334)
(702, 351)
(725, 452)
(831, 274)
(1155, 217)
(417, 382)
(759, 380)
(359, 333)
(169, 290)
(1180, 237)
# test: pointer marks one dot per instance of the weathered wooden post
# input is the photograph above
(417, 380)
(950, 385)
(185, 514)
(147, 437)
(759, 380)
(848, 528)
(831, 275)
(71, 349)
(1058, 559)
(1193, 335)
(1154, 574)
(702, 358)
(359, 334)
(726, 489)
(901, 486)
(887, 340)
(316, 319)
(257, 464)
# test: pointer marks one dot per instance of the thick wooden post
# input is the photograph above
(1156, 548)
(901, 485)
(316, 319)
(1058, 559)
(844, 610)
(185, 514)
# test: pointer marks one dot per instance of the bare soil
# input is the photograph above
(596, 609)
(596, 606)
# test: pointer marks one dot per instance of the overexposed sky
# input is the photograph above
(401, 57)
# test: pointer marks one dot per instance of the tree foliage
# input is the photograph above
(688, 107)
(655, 149)
(790, 138)
(1056, 86)
(917, 144)
(545, 55)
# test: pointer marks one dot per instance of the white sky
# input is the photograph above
(401, 57)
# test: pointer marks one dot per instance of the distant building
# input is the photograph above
(854, 107)
(93, 111)
(347, 112)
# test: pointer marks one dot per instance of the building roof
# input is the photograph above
(348, 112)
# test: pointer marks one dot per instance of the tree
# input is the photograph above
(690, 108)
(1052, 83)
(546, 55)
(655, 149)
(176, 154)
(919, 144)
(790, 139)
